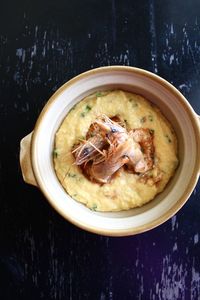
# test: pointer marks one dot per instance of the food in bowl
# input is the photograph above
(38, 168)
(114, 151)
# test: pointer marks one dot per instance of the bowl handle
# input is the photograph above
(198, 116)
(25, 160)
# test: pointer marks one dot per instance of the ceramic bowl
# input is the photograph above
(36, 150)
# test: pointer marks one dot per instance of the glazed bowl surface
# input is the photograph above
(171, 103)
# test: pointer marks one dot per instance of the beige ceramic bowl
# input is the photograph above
(36, 150)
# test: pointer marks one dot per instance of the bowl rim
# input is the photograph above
(193, 180)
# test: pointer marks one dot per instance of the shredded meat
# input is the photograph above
(109, 146)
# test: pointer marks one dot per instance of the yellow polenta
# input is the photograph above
(126, 190)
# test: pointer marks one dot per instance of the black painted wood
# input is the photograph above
(42, 45)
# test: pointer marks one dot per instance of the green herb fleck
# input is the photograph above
(150, 117)
(134, 104)
(143, 119)
(74, 195)
(168, 138)
(88, 108)
(55, 153)
(94, 206)
(73, 107)
(99, 94)
(81, 138)
(71, 175)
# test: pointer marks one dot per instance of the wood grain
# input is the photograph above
(42, 45)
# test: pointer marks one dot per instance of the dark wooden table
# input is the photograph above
(42, 45)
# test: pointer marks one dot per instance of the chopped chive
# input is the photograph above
(81, 138)
(134, 104)
(99, 94)
(143, 119)
(88, 108)
(55, 153)
(168, 138)
(73, 107)
(71, 175)
(150, 117)
(94, 206)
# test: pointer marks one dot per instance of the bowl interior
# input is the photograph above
(175, 110)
